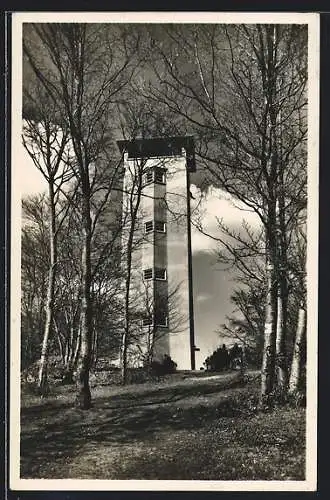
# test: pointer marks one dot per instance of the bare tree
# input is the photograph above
(244, 95)
(68, 292)
(298, 280)
(245, 324)
(86, 68)
(133, 236)
(47, 145)
(35, 267)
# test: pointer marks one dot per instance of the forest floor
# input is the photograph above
(184, 427)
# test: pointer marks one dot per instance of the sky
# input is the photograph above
(212, 286)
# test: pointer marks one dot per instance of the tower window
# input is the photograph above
(149, 226)
(160, 273)
(159, 175)
(148, 176)
(155, 174)
(147, 274)
(147, 321)
(160, 226)
(160, 319)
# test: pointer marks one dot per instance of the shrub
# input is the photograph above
(164, 367)
(219, 360)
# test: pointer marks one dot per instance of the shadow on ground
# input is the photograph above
(54, 431)
(206, 430)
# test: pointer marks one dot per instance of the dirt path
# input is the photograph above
(178, 430)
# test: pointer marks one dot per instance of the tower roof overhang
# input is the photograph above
(160, 147)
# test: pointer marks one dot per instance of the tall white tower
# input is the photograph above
(157, 196)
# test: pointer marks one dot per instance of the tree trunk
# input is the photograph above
(270, 122)
(151, 347)
(60, 343)
(70, 340)
(282, 288)
(77, 349)
(95, 341)
(67, 351)
(296, 365)
(125, 337)
(83, 388)
(281, 357)
(72, 361)
(268, 361)
(135, 190)
(42, 376)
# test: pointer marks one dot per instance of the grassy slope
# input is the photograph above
(193, 428)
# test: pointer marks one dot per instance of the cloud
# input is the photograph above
(215, 204)
(28, 177)
(25, 175)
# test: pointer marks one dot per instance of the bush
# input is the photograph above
(219, 360)
(164, 367)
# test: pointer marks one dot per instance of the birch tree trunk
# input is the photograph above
(281, 358)
(42, 376)
(296, 365)
(271, 174)
(84, 393)
(268, 361)
(282, 287)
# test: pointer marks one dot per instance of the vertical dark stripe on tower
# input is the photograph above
(190, 279)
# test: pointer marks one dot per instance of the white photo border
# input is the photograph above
(313, 22)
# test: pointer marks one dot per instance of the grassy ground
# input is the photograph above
(182, 428)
